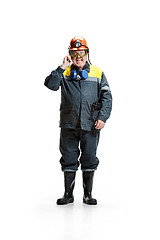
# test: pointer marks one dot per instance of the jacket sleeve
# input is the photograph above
(105, 99)
(53, 81)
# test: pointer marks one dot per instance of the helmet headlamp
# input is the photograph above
(78, 44)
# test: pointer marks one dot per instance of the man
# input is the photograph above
(86, 103)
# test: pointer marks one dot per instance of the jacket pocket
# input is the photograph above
(66, 114)
(94, 115)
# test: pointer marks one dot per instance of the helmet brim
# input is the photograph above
(77, 49)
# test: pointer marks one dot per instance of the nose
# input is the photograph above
(78, 56)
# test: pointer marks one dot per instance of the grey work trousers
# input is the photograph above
(75, 143)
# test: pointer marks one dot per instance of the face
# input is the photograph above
(79, 58)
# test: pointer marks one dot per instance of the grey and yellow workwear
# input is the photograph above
(82, 103)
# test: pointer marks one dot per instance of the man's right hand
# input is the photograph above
(66, 62)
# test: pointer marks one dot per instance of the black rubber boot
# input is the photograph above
(87, 185)
(69, 182)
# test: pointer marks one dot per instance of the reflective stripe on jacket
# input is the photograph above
(79, 96)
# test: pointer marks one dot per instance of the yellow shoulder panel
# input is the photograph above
(67, 71)
(95, 72)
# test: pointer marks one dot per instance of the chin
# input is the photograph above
(80, 65)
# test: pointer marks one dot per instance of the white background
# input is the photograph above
(123, 37)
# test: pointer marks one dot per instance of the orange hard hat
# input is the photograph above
(78, 43)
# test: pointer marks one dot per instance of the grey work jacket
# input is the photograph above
(82, 101)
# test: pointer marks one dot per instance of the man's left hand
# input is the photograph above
(99, 124)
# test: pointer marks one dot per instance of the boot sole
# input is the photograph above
(89, 203)
(71, 200)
